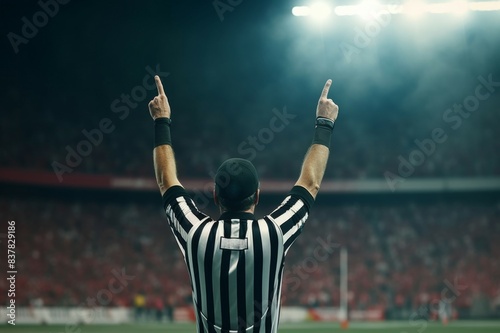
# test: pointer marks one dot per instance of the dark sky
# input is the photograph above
(258, 58)
(92, 49)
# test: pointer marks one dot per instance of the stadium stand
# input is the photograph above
(402, 256)
(363, 149)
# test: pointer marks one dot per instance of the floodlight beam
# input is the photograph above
(414, 7)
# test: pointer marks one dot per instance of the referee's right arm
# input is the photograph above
(314, 165)
(163, 154)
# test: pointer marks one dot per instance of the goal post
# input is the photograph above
(343, 310)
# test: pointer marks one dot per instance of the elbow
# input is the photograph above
(313, 185)
(310, 185)
(314, 188)
(162, 183)
(162, 188)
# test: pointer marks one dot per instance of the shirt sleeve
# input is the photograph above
(292, 213)
(182, 213)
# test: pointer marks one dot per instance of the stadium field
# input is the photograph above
(386, 327)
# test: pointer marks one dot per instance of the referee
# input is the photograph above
(235, 263)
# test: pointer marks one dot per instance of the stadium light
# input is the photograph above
(414, 8)
(347, 10)
(318, 10)
(456, 7)
(370, 8)
(301, 11)
(485, 6)
(460, 8)
(438, 8)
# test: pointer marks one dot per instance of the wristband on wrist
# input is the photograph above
(323, 132)
(322, 121)
(162, 132)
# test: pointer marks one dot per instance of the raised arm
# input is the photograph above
(314, 165)
(163, 154)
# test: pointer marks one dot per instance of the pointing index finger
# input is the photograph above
(324, 93)
(159, 85)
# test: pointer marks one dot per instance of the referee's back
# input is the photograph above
(236, 263)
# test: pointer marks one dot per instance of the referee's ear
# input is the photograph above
(216, 200)
(256, 202)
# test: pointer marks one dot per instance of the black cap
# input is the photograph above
(236, 179)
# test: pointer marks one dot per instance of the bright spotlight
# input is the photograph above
(485, 6)
(369, 8)
(317, 11)
(438, 8)
(301, 11)
(414, 8)
(459, 8)
(320, 10)
(346, 10)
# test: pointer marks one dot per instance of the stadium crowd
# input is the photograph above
(364, 148)
(402, 257)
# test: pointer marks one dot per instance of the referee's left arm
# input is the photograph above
(163, 154)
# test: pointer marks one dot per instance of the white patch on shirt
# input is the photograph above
(233, 244)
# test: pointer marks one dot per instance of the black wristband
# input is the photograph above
(323, 121)
(162, 132)
(322, 136)
(323, 132)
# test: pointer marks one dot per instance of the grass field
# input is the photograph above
(385, 327)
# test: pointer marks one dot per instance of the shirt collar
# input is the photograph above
(237, 215)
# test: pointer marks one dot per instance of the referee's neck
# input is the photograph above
(250, 210)
(241, 215)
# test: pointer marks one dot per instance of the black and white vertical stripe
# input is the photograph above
(236, 290)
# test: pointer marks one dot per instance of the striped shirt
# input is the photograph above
(236, 263)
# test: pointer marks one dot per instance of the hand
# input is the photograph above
(159, 107)
(326, 107)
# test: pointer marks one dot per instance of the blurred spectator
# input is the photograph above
(362, 150)
(139, 306)
(402, 256)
